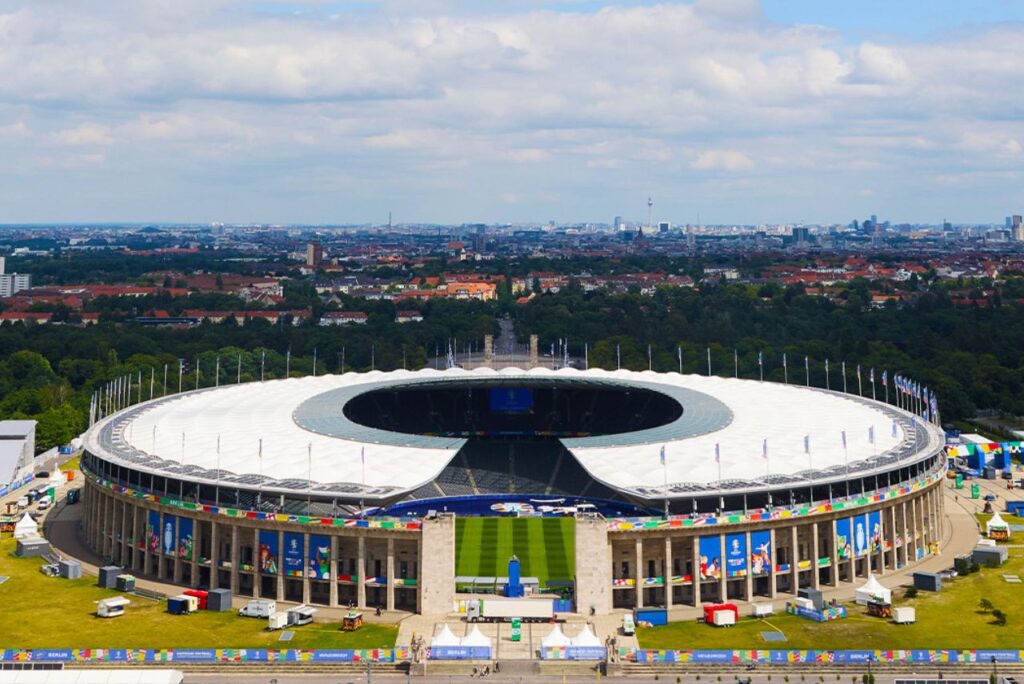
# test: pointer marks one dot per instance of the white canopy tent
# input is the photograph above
(586, 638)
(476, 638)
(555, 639)
(996, 522)
(445, 638)
(872, 590)
(58, 479)
(26, 527)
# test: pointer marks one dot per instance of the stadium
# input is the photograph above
(616, 489)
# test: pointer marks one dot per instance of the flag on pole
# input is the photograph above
(259, 454)
(894, 429)
(885, 378)
(718, 453)
(783, 359)
(760, 359)
(871, 375)
(843, 433)
(871, 434)
(764, 448)
(807, 444)
(362, 455)
(661, 455)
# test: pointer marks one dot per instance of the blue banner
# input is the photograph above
(461, 652)
(860, 534)
(267, 556)
(736, 555)
(875, 531)
(293, 565)
(167, 541)
(185, 539)
(196, 655)
(153, 532)
(319, 557)
(710, 558)
(760, 552)
(844, 543)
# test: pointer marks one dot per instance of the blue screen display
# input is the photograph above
(511, 400)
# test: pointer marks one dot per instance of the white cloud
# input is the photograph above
(722, 160)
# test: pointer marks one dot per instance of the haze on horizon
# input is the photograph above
(517, 110)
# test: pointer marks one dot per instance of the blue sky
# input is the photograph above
(738, 111)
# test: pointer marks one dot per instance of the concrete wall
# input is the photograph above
(593, 566)
(437, 565)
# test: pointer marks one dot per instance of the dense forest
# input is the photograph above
(972, 357)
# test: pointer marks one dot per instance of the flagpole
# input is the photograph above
(807, 370)
(844, 377)
(217, 494)
(785, 369)
(735, 363)
(709, 362)
(828, 385)
(679, 353)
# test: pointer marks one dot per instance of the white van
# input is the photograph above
(259, 608)
(44, 503)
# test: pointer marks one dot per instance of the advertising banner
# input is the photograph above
(459, 653)
(293, 561)
(860, 534)
(167, 541)
(710, 558)
(875, 531)
(736, 555)
(844, 543)
(185, 539)
(319, 557)
(153, 532)
(267, 556)
(760, 552)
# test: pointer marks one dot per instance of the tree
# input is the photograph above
(985, 605)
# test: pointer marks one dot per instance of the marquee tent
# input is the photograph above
(872, 590)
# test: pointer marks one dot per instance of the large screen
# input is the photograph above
(511, 400)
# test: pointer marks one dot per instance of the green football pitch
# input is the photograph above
(545, 546)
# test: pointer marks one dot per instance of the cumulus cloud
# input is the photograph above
(722, 160)
(600, 106)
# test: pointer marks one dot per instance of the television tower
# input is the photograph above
(650, 207)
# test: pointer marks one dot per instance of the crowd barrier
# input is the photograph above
(203, 655)
(841, 657)
(18, 484)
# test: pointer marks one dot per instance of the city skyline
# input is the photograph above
(726, 112)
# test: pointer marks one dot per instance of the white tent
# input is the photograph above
(555, 639)
(58, 479)
(996, 522)
(445, 638)
(26, 527)
(586, 638)
(872, 591)
(476, 638)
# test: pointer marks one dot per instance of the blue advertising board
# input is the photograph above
(267, 555)
(319, 557)
(860, 534)
(460, 652)
(153, 532)
(736, 555)
(293, 565)
(875, 531)
(710, 558)
(168, 543)
(760, 552)
(844, 543)
(185, 539)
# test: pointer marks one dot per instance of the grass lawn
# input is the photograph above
(948, 619)
(545, 546)
(46, 612)
(71, 465)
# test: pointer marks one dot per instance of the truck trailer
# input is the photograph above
(503, 610)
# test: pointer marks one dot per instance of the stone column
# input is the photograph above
(696, 571)
(488, 350)
(749, 579)
(533, 351)
(197, 539)
(773, 589)
(161, 568)
(147, 557)
(436, 586)
(122, 545)
(389, 588)
(723, 579)
(305, 567)
(107, 516)
(833, 553)
(593, 566)
(280, 565)
(257, 576)
(894, 559)
(333, 589)
(668, 572)
(214, 556)
(177, 558)
(794, 540)
(639, 572)
(361, 568)
(136, 560)
(234, 559)
(816, 545)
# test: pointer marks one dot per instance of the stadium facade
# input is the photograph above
(345, 489)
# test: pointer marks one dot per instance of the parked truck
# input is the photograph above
(503, 610)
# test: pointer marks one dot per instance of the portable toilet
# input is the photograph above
(514, 588)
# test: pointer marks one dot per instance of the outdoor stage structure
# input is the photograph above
(344, 489)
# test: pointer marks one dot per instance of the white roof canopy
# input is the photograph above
(445, 637)
(555, 638)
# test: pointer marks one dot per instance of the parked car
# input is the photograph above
(44, 503)
(990, 497)
(43, 475)
(1007, 475)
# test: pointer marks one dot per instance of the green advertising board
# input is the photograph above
(975, 491)
(517, 629)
